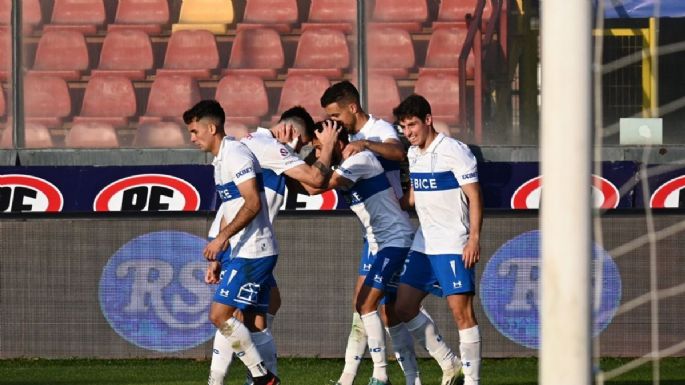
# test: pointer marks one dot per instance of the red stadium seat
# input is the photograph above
(170, 96)
(146, 15)
(321, 52)
(84, 16)
(36, 135)
(3, 108)
(125, 53)
(5, 54)
(455, 11)
(61, 53)
(277, 14)
(336, 14)
(383, 96)
(92, 135)
(191, 52)
(108, 99)
(406, 14)
(390, 51)
(30, 14)
(46, 100)
(210, 15)
(257, 52)
(305, 91)
(443, 52)
(235, 130)
(442, 92)
(243, 97)
(160, 134)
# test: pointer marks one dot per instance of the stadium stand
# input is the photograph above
(236, 129)
(191, 52)
(406, 14)
(160, 134)
(31, 14)
(210, 15)
(148, 16)
(390, 51)
(444, 48)
(170, 96)
(442, 92)
(305, 91)
(61, 53)
(257, 51)
(108, 99)
(85, 16)
(92, 135)
(46, 100)
(243, 97)
(454, 12)
(3, 104)
(383, 96)
(321, 51)
(335, 14)
(280, 15)
(36, 135)
(125, 53)
(5, 54)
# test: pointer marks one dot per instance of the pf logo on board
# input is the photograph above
(671, 194)
(27, 193)
(148, 192)
(605, 195)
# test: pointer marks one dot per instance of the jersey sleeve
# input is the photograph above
(463, 163)
(385, 131)
(279, 158)
(239, 163)
(359, 165)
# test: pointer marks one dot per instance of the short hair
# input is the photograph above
(318, 127)
(298, 115)
(343, 92)
(414, 105)
(208, 108)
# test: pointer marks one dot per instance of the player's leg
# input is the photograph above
(367, 305)
(222, 353)
(274, 306)
(402, 343)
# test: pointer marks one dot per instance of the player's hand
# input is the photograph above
(213, 273)
(329, 135)
(354, 148)
(215, 247)
(285, 133)
(471, 254)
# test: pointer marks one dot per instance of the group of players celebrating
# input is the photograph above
(359, 155)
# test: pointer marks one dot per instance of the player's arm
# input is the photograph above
(336, 181)
(318, 173)
(248, 211)
(471, 253)
(390, 148)
(407, 200)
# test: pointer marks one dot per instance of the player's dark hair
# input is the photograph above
(318, 127)
(343, 92)
(300, 115)
(414, 105)
(207, 108)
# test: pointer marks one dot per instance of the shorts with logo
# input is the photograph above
(385, 271)
(225, 256)
(440, 274)
(245, 283)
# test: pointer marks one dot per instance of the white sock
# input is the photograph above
(469, 346)
(426, 333)
(222, 355)
(376, 340)
(356, 347)
(239, 339)
(403, 346)
(266, 347)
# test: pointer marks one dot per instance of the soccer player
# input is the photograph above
(246, 227)
(448, 200)
(276, 162)
(342, 104)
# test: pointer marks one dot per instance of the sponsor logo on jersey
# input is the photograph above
(148, 192)
(153, 295)
(510, 284)
(27, 193)
(605, 195)
(670, 194)
(243, 172)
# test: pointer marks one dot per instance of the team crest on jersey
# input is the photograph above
(153, 294)
(509, 290)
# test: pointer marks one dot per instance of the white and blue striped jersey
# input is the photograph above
(436, 175)
(378, 130)
(234, 165)
(373, 200)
